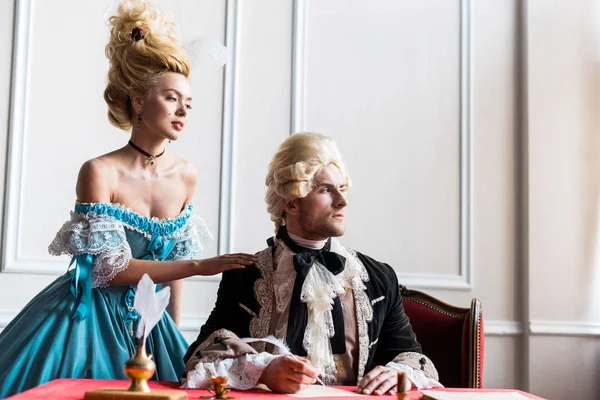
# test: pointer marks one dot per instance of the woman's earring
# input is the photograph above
(139, 119)
(170, 141)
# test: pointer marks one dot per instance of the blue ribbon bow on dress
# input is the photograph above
(159, 248)
(83, 279)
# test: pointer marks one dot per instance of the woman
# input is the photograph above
(82, 324)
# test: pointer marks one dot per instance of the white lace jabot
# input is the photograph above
(319, 290)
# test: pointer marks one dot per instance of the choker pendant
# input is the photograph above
(151, 157)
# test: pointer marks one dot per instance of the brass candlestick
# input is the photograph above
(139, 369)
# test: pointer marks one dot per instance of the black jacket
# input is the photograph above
(389, 331)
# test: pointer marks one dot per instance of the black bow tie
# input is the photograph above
(304, 259)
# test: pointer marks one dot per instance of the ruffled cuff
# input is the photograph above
(417, 377)
(243, 372)
(418, 369)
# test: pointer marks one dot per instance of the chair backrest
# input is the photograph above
(452, 337)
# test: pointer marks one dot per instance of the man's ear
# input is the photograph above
(291, 207)
(137, 101)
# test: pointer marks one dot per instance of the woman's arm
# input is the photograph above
(165, 271)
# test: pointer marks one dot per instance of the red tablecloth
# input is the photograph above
(74, 389)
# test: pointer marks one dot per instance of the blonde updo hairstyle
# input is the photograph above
(138, 64)
(293, 169)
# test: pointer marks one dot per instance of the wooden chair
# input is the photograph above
(452, 337)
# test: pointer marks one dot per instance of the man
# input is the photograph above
(338, 310)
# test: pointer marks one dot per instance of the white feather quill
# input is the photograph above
(270, 339)
(280, 344)
(150, 305)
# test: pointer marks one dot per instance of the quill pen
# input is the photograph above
(280, 345)
(150, 305)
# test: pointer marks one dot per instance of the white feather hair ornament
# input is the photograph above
(150, 304)
(206, 50)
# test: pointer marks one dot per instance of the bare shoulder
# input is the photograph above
(188, 172)
(94, 182)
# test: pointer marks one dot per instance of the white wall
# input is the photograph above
(468, 128)
(563, 156)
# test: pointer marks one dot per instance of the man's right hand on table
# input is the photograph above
(286, 374)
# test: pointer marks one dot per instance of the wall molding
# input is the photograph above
(229, 129)
(16, 137)
(463, 281)
(297, 101)
(12, 259)
(190, 323)
(502, 328)
(564, 328)
(492, 328)
(13, 262)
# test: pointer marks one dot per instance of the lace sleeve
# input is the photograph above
(101, 236)
(223, 354)
(191, 239)
(243, 372)
(418, 368)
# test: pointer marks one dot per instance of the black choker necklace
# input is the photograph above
(151, 157)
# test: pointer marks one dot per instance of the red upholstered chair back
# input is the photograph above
(452, 337)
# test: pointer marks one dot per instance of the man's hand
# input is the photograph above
(381, 380)
(286, 374)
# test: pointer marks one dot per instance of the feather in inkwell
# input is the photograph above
(150, 304)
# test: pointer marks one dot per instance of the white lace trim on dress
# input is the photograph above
(103, 237)
(191, 239)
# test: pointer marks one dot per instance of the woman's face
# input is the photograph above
(166, 107)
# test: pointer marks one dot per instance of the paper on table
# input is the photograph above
(439, 395)
(316, 391)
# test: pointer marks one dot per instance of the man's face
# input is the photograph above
(320, 214)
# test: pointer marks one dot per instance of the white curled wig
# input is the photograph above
(293, 169)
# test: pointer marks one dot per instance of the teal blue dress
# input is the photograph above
(80, 326)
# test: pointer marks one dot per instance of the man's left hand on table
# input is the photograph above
(381, 380)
